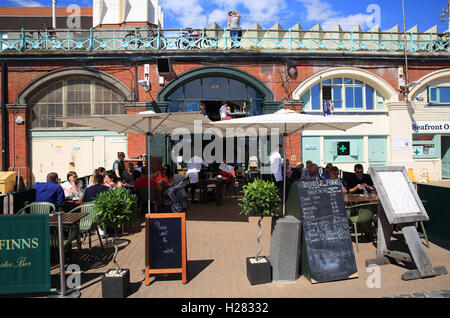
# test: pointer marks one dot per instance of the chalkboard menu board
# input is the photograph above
(327, 249)
(165, 245)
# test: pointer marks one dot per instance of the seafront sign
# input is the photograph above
(24, 254)
(434, 127)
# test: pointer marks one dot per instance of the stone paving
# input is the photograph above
(218, 241)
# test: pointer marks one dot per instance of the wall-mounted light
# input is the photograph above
(19, 120)
(145, 83)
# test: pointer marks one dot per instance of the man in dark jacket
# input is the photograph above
(94, 190)
(50, 191)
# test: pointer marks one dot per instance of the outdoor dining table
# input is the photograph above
(62, 219)
(68, 219)
(351, 199)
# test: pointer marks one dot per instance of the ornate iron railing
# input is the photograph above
(141, 39)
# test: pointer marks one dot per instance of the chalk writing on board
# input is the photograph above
(325, 229)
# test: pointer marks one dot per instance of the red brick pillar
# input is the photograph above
(18, 143)
(136, 142)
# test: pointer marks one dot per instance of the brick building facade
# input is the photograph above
(362, 84)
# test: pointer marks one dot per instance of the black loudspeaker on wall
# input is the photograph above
(164, 66)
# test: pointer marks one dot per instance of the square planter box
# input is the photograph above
(259, 272)
(115, 286)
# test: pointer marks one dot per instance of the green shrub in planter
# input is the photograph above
(261, 198)
(113, 209)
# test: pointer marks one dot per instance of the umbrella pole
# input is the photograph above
(284, 171)
(149, 199)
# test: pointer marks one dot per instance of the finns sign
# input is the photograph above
(24, 254)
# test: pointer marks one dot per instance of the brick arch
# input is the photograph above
(215, 71)
(429, 79)
(60, 74)
(378, 83)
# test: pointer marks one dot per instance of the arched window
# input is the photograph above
(187, 97)
(345, 94)
(73, 97)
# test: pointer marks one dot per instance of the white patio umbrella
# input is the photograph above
(147, 122)
(288, 122)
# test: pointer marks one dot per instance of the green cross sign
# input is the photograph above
(343, 148)
(417, 152)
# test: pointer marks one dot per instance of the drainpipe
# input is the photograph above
(4, 117)
(54, 14)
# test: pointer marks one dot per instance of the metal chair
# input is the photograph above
(38, 208)
(86, 224)
(365, 214)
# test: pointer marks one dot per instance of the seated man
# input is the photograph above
(95, 189)
(310, 173)
(50, 191)
(142, 182)
(359, 181)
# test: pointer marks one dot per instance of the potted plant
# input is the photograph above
(261, 198)
(113, 209)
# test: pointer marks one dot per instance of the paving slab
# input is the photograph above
(218, 241)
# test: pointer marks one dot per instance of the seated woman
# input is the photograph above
(228, 175)
(111, 180)
(164, 177)
(101, 171)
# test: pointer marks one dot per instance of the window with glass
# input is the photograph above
(187, 97)
(345, 94)
(426, 146)
(73, 97)
(439, 95)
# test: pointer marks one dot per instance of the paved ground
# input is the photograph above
(218, 242)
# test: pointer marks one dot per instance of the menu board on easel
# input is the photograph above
(397, 194)
(327, 250)
(165, 244)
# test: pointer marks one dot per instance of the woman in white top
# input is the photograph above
(73, 187)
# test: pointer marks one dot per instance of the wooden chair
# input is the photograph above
(365, 214)
(87, 224)
(38, 208)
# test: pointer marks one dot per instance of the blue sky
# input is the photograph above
(308, 13)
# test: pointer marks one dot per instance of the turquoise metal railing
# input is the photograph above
(219, 39)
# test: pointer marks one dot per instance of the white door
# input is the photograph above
(81, 155)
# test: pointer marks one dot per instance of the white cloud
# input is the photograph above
(188, 13)
(322, 12)
(27, 3)
(264, 12)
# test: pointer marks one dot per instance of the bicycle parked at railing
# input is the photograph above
(149, 39)
(44, 33)
(192, 39)
(441, 44)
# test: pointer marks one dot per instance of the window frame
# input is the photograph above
(344, 83)
(35, 100)
(437, 100)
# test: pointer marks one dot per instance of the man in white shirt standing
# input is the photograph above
(276, 167)
(194, 166)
